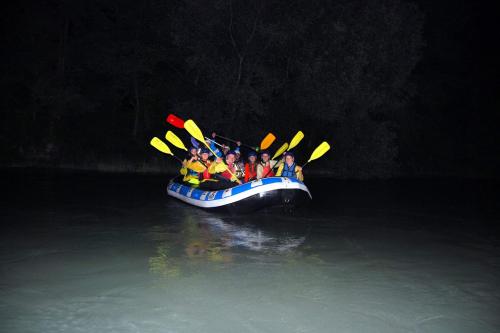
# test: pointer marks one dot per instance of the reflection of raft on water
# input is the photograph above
(262, 193)
(255, 238)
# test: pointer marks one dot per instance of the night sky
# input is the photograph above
(399, 88)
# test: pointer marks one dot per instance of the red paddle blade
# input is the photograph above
(175, 121)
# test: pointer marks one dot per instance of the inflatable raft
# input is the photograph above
(258, 194)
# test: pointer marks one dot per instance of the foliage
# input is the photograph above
(101, 76)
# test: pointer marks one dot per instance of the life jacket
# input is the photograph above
(226, 174)
(205, 174)
(289, 171)
(192, 176)
(250, 171)
(267, 170)
(240, 170)
(192, 173)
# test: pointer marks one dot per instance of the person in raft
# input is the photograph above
(265, 166)
(205, 161)
(239, 164)
(251, 167)
(289, 168)
(220, 171)
(191, 168)
(192, 152)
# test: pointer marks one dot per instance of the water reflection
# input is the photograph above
(252, 236)
(199, 238)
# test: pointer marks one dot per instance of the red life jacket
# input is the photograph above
(226, 174)
(250, 171)
(205, 174)
(266, 171)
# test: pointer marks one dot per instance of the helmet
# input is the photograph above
(289, 153)
(204, 151)
(252, 153)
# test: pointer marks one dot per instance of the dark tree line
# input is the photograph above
(88, 83)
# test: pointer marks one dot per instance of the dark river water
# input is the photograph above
(112, 253)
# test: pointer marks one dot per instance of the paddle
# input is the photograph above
(179, 144)
(280, 151)
(296, 140)
(318, 152)
(196, 133)
(267, 141)
(195, 143)
(175, 121)
(174, 139)
(234, 141)
(162, 146)
(215, 142)
(264, 144)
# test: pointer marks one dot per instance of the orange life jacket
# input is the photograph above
(266, 171)
(250, 171)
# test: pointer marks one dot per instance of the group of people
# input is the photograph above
(226, 168)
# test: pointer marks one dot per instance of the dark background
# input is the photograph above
(399, 88)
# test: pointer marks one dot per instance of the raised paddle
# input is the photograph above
(195, 143)
(215, 142)
(264, 144)
(296, 140)
(175, 121)
(267, 141)
(318, 152)
(162, 146)
(280, 151)
(194, 130)
(234, 141)
(174, 139)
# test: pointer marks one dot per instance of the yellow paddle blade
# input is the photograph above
(296, 139)
(267, 141)
(160, 145)
(280, 151)
(174, 139)
(319, 151)
(194, 130)
(196, 133)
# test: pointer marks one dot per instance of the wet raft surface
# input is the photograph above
(101, 253)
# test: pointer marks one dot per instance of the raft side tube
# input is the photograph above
(260, 188)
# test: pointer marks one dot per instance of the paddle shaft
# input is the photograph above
(177, 158)
(218, 144)
(234, 141)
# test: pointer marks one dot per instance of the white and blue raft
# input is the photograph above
(251, 196)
